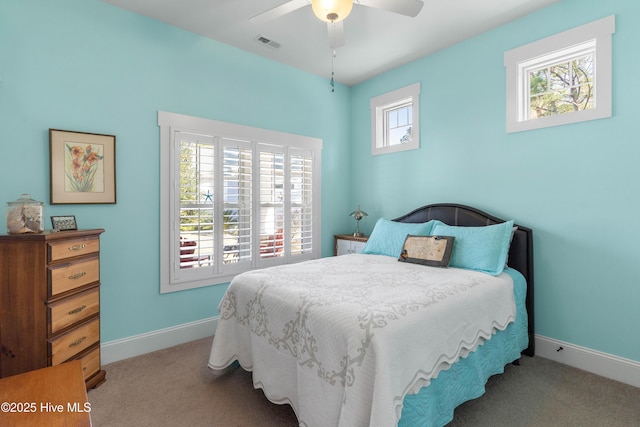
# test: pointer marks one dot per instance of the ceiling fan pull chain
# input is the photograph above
(333, 55)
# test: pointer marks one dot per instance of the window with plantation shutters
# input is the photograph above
(234, 198)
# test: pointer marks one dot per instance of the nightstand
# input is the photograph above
(348, 244)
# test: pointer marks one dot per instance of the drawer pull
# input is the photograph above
(77, 275)
(77, 310)
(77, 342)
(77, 247)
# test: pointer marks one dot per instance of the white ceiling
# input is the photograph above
(375, 40)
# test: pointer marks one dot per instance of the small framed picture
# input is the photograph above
(64, 223)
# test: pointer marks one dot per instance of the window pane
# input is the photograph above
(400, 135)
(538, 81)
(301, 204)
(540, 106)
(583, 69)
(196, 204)
(392, 118)
(403, 116)
(271, 204)
(398, 125)
(577, 98)
(562, 88)
(559, 77)
(237, 204)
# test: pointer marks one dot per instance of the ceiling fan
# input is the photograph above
(334, 11)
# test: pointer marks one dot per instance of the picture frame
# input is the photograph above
(82, 167)
(64, 223)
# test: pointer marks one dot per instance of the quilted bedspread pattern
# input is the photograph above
(345, 339)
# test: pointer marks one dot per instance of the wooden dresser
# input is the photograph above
(50, 302)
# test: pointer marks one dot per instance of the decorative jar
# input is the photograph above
(25, 215)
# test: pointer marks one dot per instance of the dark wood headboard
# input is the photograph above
(520, 253)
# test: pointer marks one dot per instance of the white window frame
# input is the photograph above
(381, 103)
(172, 278)
(520, 60)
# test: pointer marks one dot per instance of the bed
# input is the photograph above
(363, 339)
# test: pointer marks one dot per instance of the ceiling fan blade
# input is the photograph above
(403, 7)
(336, 34)
(278, 11)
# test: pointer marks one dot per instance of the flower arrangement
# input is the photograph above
(82, 165)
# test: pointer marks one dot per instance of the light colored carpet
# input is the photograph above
(173, 387)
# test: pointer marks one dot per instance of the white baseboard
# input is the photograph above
(136, 345)
(606, 365)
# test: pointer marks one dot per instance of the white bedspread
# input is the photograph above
(344, 339)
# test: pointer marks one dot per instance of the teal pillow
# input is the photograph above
(478, 248)
(388, 236)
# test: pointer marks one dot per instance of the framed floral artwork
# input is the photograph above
(82, 167)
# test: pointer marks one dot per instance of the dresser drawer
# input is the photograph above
(73, 309)
(71, 276)
(90, 362)
(72, 248)
(75, 341)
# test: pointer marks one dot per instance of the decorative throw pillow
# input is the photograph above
(388, 236)
(434, 251)
(479, 248)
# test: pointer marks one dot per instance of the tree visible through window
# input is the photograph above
(398, 122)
(561, 88)
(562, 79)
(395, 119)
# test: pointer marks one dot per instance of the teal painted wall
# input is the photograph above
(84, 65)
(575, 185)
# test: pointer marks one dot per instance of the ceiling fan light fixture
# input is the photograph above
(331, 10)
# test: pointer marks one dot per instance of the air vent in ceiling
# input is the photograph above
(267, 42)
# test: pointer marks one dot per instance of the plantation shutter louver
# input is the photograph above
(272, 201)
(196, 215)
(238, 200)
(301, 202)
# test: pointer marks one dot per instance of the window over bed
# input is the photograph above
(234, 198)
(562, 79)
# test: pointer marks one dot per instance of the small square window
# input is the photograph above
(394, 119)
(561, 79)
